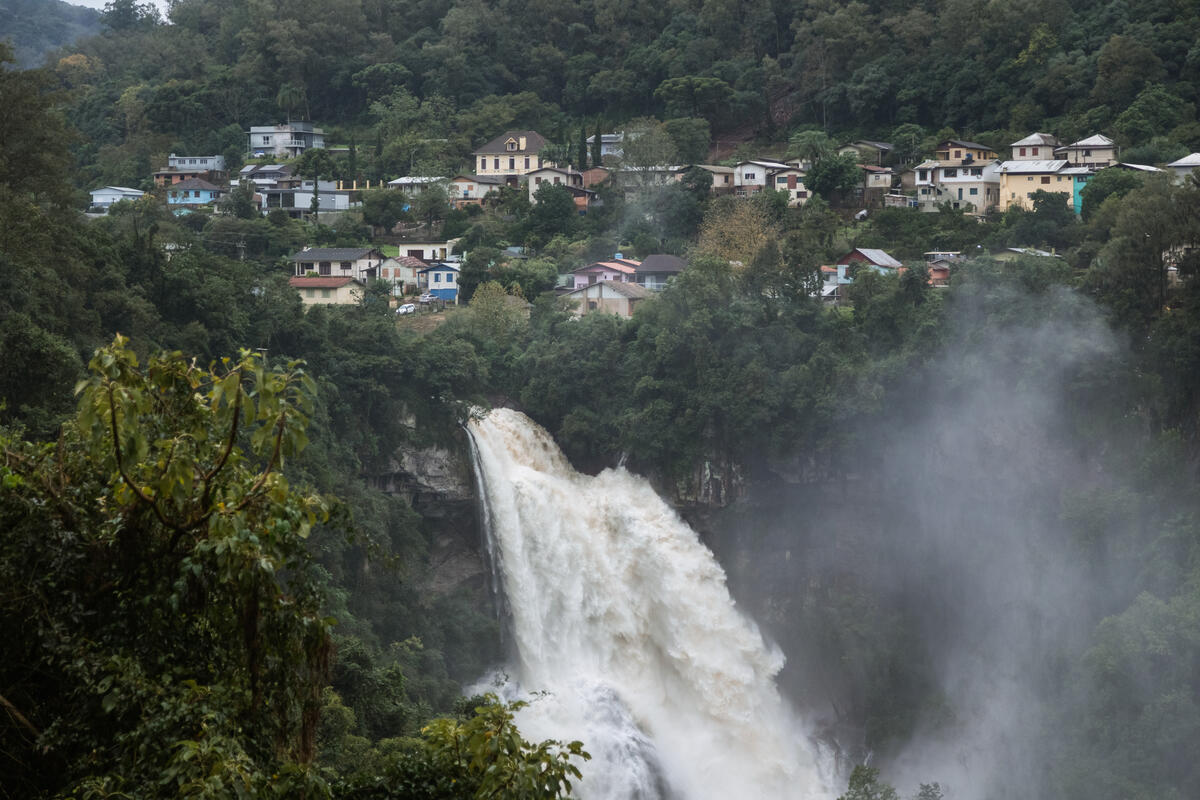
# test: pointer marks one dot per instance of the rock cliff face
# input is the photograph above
(439, 485)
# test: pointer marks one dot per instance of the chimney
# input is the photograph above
(521, 143)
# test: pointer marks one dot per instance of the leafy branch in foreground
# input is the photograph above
(159, 608)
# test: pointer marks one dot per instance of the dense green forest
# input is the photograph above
(417, 85)
(205, 594)
(37, 27)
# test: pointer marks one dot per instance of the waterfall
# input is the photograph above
(622, 620)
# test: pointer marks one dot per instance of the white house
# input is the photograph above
(753, 176)
(289, 139)
(1185, 166)
(430, 252)
(442, 281)
(105, 196)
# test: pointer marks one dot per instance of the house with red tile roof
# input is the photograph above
(621, 270)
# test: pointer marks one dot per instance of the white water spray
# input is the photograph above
(622, 616)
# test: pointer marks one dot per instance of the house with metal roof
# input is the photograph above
(870, 256)
(1094, 151)
(1020, 179)
(1035, 147)
(105, 196)
(361, 263)
(441, 281)
(334, 291)
(1184, 166)
(611, 297)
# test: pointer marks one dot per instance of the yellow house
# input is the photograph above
(314, 291)
(512, 153)
(956, 152)
(1020, 179)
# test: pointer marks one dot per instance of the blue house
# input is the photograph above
(442, 281)
(192, 193)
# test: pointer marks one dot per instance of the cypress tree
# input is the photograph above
(596, 151)
(582, 147)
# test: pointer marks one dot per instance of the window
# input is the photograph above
(512, 163)
(727, 179)
(1022, 151)
(801, 195)
(1045, 179)
(750, 176)
(266, 140)
(326, 293)
(1030, 179)
(591, 305)
(922, 174)
(781, 181)
(495, 163)
(1087, 153)
(537, 181)
(556, 181)
(511, 145)
(437, 277)
(526, 162)
(974, 191)
(977, 171)
(958, 153)
(310, 292)
(324, 268)
(482, 163)
(1058, 179)
(345, 265)
(950, 173)
(1035, 151)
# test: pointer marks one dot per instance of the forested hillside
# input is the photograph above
(965, 512)
(34, 28)
(422, 83)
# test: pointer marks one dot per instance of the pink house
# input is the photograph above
(621, 270)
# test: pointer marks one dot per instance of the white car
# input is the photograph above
(426, 298)
(407, 308)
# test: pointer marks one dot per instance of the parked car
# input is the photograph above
(426, 298)
(407, 308)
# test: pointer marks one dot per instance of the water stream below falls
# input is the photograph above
(621, 616)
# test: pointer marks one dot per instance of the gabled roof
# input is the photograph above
(1099, 140)
(1190, 160)
(634, 291)
(876, 145)
(415, 180)
(125, 190)
(321, 283)
(194, 183)
(439, 268)
(534, 142)
(334, 253)
(1140, 167)
(767, 164)
(1035, 166)
(495, 179)
(968, 145)
(409, 261)
(1037, 140)
(625, 266)
(873, 168)
(931, 164)
(877, 257)
(662, 262)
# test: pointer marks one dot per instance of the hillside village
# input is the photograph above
(960, 175)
